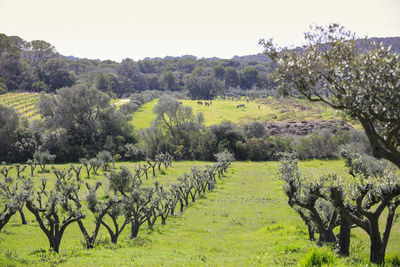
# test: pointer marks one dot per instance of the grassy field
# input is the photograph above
(280, 110)
(24, 103)
(244, 221)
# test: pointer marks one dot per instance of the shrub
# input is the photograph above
(134, 152)
(255, 129)
(318, 257)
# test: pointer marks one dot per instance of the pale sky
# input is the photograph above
(135, 29)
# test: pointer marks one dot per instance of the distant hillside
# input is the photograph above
(261, 58)
(37, 66)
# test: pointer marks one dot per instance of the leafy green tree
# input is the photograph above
(231, 77)
(55, 73)
(255, 129)
(9, 121)
(121, 85)
(177, 120)
(105, 157)
(9, 64)
(248, 77)
(43, 158)
(85, 117)
(38, 52)
(131, 70)
(102, 82)
(169, 81)
(354, 76)
(219, 72)
(203, 87)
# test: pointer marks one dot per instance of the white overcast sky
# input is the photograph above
(156, 28)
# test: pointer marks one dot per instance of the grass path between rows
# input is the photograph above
(245, 221)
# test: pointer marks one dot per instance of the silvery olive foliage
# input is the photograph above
(370, 192)
(124, 200)
(13, 194)
(57, 208)
(360, 78)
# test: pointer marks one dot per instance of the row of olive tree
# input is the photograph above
(331, 201)
(126, 200)
(361, 79)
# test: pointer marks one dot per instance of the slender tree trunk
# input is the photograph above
(21, 213)
(344, 236)
(310, 233)
(55, 243)
(114, 238)
(181, 202)
(377, 249)
(5, 220)
(134, 228)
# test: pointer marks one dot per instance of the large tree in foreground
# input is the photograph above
(362, 79)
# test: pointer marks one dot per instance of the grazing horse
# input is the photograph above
(241, 106)
(199, 103)
(207, 104)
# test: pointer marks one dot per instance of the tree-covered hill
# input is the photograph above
(37, 66)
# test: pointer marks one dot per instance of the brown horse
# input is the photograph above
(199, 103)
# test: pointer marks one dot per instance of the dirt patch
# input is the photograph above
(303, 128)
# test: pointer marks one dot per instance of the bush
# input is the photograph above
(134, 152)
(318, 257)
(129, 107)
(259, 149)
(255, 129)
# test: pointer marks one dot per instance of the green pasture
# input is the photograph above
(279, 110)
(245, 221)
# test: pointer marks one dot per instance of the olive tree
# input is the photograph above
(43, 158)
(317, 213)
(13, 194)
(359, 78)
(374, 188)
(99, 209)
(56, 209)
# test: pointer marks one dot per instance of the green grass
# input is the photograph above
(245, 221)
(279, 110)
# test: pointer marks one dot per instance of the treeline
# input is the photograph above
(79, 122)
(126, 201)
(36, 66)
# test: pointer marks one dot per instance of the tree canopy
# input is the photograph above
(358, 77)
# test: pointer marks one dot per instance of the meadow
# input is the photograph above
(277, 110)
(245, 221)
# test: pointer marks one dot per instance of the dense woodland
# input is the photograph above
(36, 66)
